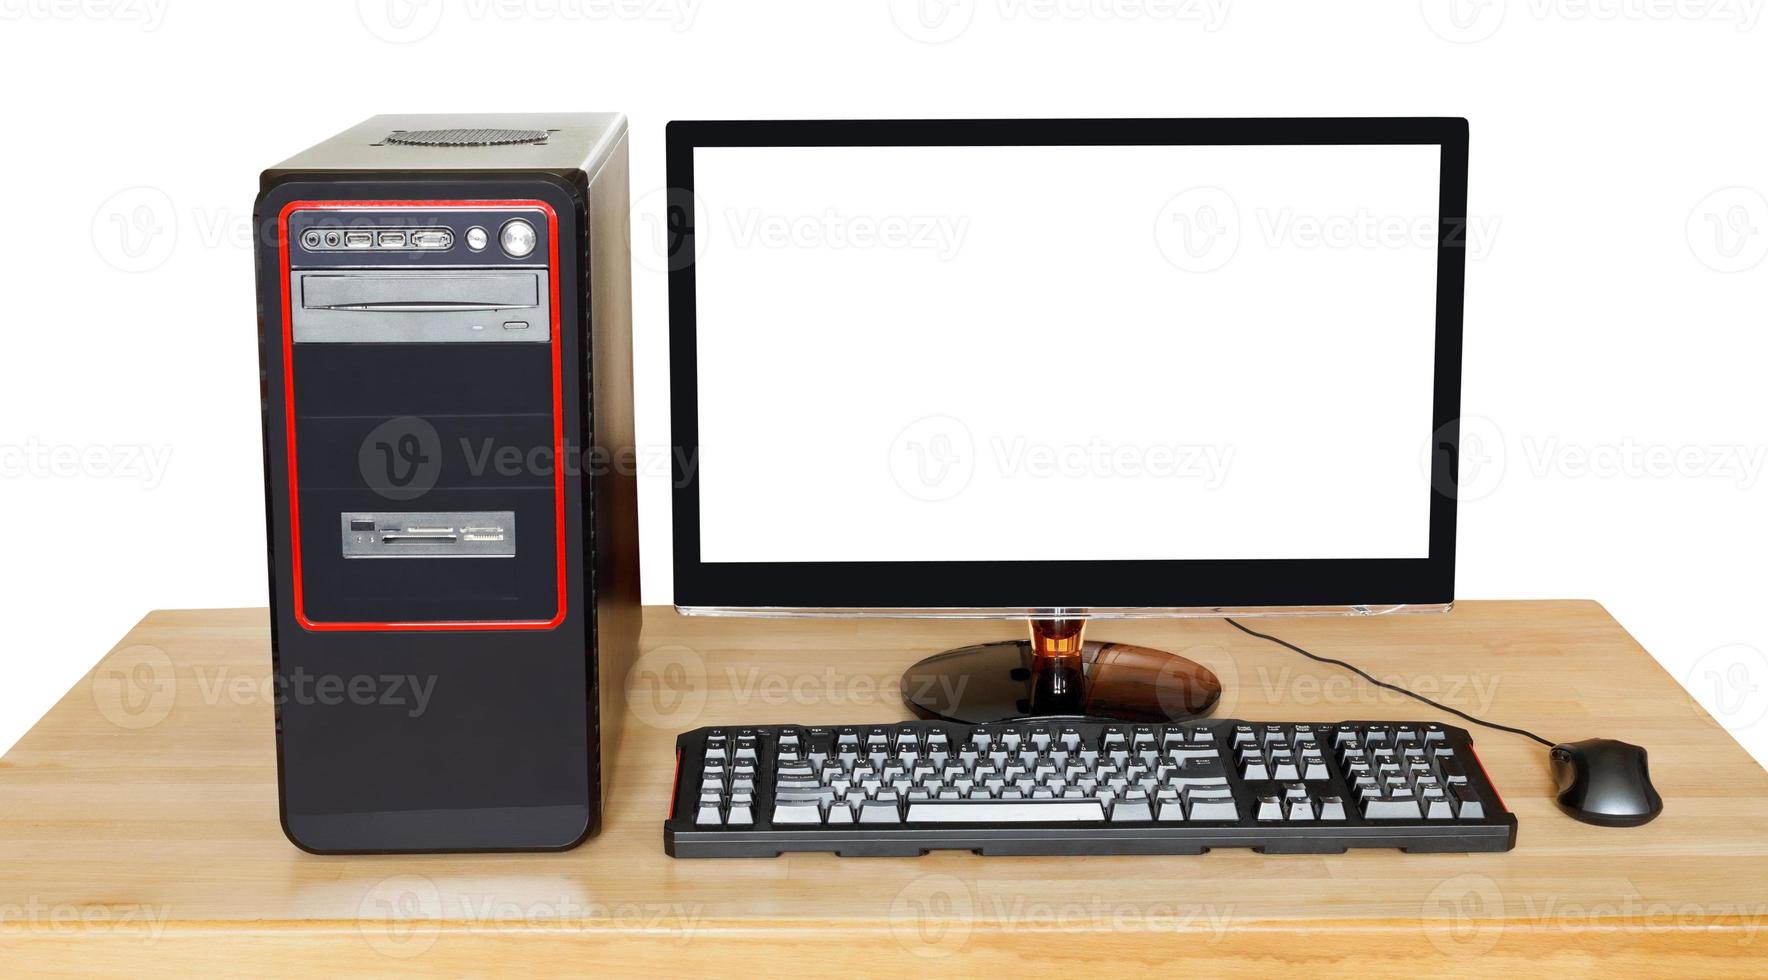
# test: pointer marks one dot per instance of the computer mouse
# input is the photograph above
(1605, 782)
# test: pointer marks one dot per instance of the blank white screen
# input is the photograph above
(1042, 353)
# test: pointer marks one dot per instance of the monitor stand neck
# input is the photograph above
(1059, 674)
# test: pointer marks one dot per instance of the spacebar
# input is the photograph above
(1005, 811)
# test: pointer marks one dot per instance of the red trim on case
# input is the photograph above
(288, 397)
(1482, 771)
(675, 784)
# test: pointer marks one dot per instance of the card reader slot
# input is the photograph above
(477, 534)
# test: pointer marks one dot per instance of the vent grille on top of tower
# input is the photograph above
(466, 137)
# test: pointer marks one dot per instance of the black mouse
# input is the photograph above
(1604, 781)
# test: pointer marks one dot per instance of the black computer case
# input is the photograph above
(446, 354)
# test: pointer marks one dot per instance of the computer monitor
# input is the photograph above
(1063, 370)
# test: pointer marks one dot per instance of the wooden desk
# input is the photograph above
(138, 828)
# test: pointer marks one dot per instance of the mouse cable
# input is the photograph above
(1360, 672)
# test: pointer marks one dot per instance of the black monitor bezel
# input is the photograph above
(986, 585)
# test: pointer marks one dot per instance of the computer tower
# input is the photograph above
(446, 354)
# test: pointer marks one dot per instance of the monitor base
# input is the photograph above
(1003, 681)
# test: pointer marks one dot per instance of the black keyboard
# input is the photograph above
(1063, 787)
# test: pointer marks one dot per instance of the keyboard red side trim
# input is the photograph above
(1482, 771)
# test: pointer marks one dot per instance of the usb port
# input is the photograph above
(392, 239)
(358, 239)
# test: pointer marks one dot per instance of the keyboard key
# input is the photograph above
(1213, 808)
(797, 811)
(1390, 809)
(1127, 810)
(1466, 802)
(1006, 811)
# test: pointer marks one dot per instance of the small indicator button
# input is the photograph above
(477, 239)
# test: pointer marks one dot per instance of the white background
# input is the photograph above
(932, 354)
(1615, 306)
